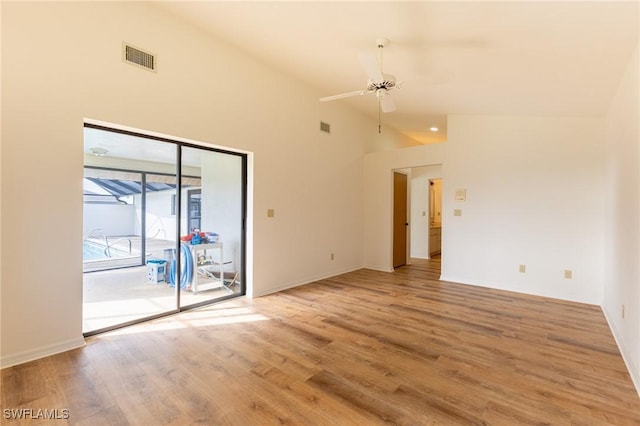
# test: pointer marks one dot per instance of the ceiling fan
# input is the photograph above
(379, 83)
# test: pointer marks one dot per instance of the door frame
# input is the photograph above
(432, 199)
(244, 236)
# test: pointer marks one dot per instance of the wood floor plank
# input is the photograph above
(362, 348)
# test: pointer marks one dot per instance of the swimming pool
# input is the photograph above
(123, 252)
(91, 252)
(97, 252)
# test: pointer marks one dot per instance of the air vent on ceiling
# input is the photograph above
(139, 57)
(325, 127)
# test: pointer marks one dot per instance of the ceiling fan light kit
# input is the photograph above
(378, 83)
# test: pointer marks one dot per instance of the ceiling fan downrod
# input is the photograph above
(381, 42)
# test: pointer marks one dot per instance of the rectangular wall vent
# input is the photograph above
(139, 57)
(325, 127)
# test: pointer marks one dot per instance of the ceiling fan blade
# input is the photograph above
(387, 104)
(371, 67)
(344, 95)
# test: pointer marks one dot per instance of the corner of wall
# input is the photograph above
(41, 352)
(621, 248)
(633, 371)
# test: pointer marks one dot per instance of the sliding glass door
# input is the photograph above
(212, 235)
(163, 227)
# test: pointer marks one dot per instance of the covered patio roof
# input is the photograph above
(107, 186)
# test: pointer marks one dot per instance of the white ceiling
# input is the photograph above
(515, 58)
(128, 146)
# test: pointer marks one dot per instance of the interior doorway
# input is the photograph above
(425, 209)
(400, 219)
(435, 217)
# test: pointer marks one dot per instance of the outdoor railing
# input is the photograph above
(107, 249)
(98, 234)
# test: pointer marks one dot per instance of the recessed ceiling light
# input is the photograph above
(99, 152)
(433, 129)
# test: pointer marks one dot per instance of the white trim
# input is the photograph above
(41, 352)
(379, 268)
(635, 374)
(150, 133)
(298, 283)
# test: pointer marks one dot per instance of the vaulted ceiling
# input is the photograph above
(510, 57)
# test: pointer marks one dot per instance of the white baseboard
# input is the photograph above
(41, 352)
(378, 268)
(303, 281)
(633, 372)
(456, 280)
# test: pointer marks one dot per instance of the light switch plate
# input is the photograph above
(271, 213)
(457, 212)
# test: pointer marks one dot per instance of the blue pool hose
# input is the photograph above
(186, 267)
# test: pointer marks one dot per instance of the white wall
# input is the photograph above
(160, 223)
(419, 222)
(222, 203)
(534, 196)
(378, 192)
(62, 64)
(622, 216)
(112, 219)
(388, 140)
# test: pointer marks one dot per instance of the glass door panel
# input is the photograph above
(211, 232)
(129, 188)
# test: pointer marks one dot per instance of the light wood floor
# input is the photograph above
(364, 348)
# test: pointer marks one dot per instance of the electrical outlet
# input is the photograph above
(623, 311)
(271, 213)
(522, 268)
(568, 274)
